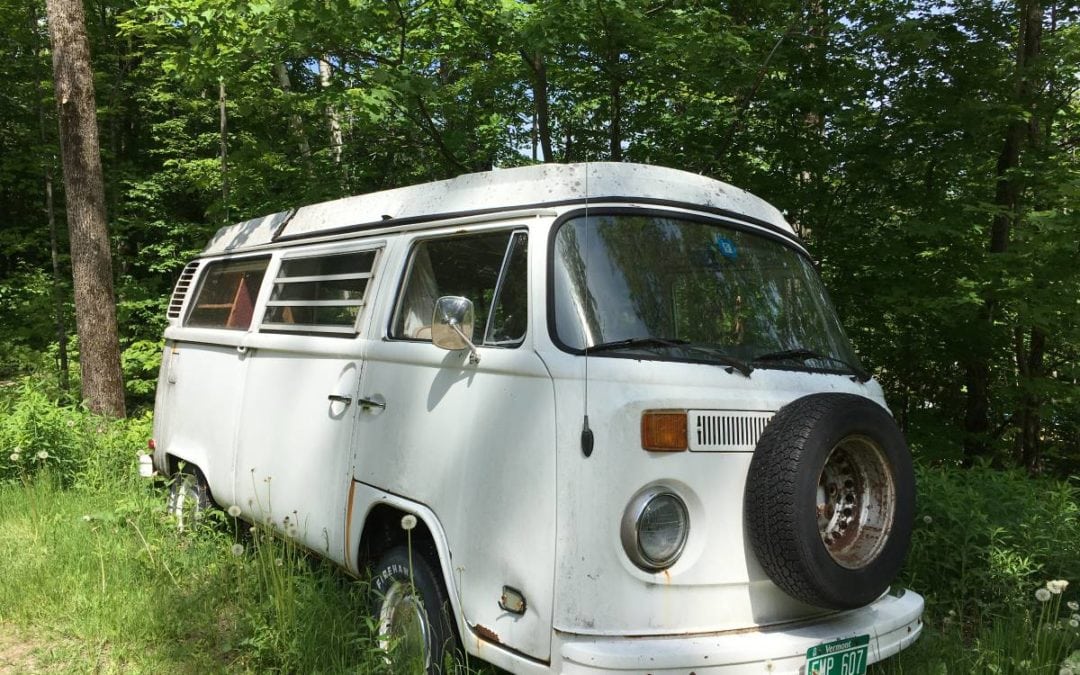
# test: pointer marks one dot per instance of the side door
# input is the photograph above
(298, 411)
(475, 442)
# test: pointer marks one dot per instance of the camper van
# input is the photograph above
(608, 408)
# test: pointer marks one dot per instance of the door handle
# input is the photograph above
(337, 398)
(366, 403)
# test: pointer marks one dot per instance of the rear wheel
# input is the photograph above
(189, 498)
(412, 613)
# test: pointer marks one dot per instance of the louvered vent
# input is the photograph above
(726, 431)
(181, 290)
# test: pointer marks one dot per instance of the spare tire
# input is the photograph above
(830, 500)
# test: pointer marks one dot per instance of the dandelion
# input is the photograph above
(927, 519)
(14, 456)
(408, 521)
(1073, 605)
(43, 455)
(1074, 623)
(234, 511)
(1057, 586)
(237, 549)
(1042, 595)
(279, 562)
(86, 518)
(1075, 617)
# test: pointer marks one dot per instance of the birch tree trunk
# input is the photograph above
(333, 118)
(84, 188)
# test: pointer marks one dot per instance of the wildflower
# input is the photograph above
(70, 423)
(86, 517)
(1057, 586)
(14, 457)
(1075, 616)
(234, 511)
(927, 519)
(1073, 605)
(290, 530)
(1074, 623)
(279, 562)
(43, 455)
(1042, 595)
(237, 549)
(408, 521)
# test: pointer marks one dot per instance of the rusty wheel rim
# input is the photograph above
(856, 502)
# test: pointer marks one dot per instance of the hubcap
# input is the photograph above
(403, 629)
(184, 500)
(856, 501)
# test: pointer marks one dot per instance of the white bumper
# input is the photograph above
(893, 623)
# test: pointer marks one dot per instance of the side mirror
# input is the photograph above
(452, 325)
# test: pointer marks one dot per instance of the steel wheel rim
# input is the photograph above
(403, 627)
(856, 502)
(184, 499)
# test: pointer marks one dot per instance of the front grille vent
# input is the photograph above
(727, 430)
(181, 290)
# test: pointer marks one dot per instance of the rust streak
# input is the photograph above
(348, 523)
(486, 634)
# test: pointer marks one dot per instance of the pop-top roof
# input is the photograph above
(502, 189)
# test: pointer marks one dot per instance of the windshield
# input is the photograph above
(691, 290)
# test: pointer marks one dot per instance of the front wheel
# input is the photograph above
(413, 614)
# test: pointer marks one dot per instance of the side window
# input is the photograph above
(227, 293)
(488, 269)
(509, 317)
(320, 295)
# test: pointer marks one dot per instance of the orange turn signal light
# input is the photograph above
(663, 430)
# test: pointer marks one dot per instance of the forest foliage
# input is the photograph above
(928, 150)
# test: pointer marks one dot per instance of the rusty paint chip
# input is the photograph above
(486, 634)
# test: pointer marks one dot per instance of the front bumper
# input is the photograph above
(892, 621)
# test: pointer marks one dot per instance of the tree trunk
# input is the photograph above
(91, 259)
(1007, 199)
(542, 127)
(223, 116)
(295, 123)
(333, 118)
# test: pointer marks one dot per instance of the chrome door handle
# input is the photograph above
(337, 398)
(366, 403)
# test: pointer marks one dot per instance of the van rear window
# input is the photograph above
(320, 295)
(227, 293)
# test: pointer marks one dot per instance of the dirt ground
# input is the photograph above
(16, 652)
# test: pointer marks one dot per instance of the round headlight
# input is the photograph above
(654, 528)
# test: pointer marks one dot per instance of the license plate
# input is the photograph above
(841, 657)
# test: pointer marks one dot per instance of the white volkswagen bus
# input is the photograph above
(614, 399)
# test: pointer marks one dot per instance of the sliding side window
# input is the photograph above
(227, 293)
(490, 269)
(320, 295)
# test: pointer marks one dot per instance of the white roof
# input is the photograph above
(502, 189)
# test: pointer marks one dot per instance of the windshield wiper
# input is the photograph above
(801, 354)
(630, 343)
(713, 352)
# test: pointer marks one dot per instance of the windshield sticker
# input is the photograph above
(726, 247)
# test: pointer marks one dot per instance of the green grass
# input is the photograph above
(107, 573)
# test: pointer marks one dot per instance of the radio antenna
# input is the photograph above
(587, 439)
